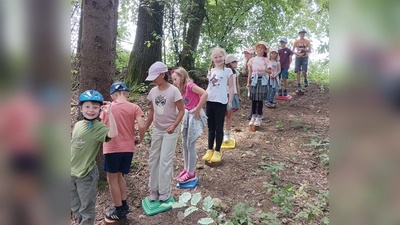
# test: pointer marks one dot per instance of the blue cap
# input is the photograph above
(283, 39)
(118, 86)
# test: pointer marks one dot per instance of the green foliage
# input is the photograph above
(298, 124)
(273, 168)
(279, 125)
(242, 214)
(322, 148)
(135, 163)
(102, 185)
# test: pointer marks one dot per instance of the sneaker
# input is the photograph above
(164, 197)
(115, 214)
(280, 92)
(305, 83)
(249, 116)
(186, 177)
(299, 88)
(181, 174)
(153, 195)
(285, 92)
(216, 157)
(258, 122)
(262, 118)
(268, 104)
(227, 137)
(251, 123)
(125, 208)
(274, 103)
(208, 155)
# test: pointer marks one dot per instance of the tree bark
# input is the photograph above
(97, 53)
(148, 43)
(193, 34)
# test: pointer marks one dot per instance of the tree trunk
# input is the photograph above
(148, 43)
(97, 53)
(193, 34)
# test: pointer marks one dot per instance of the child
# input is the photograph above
(118, 153)
(166, 110)
(258, 87)
(194, 120)
(303, 48)
(285, 58)
(248, 54)
(231, 61)
(273, 79)
(87, 136)
(219, 78)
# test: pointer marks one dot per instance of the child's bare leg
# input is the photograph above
(122, 186)
(228, 120)
(115, 191)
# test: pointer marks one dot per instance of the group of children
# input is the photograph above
(173, 108)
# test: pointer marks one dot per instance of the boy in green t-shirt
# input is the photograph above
(87, 136)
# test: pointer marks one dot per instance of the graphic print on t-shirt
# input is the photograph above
(214, 80)
(160, 102)
(185, 101)
(302, 47)
(77, 143)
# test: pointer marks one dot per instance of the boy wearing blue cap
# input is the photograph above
(118, 153)
(87, 136)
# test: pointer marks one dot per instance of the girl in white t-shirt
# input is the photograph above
(231, 61)
(219, 78)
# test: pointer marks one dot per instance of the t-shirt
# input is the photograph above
(301, 45)
(284, 57)
(190, 99)
(235, 75)
(258, 64)
(218, 85)
(274, 66)
(165, 110)
(85, 144)
(125, 114)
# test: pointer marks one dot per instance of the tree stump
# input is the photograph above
(213, 164)
(115, 222)
(299, 92)
(253, 128)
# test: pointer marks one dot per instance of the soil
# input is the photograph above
(239, 179)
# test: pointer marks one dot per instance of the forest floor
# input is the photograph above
(281, 169)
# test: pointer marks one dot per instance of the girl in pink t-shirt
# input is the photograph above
(194, 98)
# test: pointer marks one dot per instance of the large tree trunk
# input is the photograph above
(97, 54)
(147, 46)
(198, 13)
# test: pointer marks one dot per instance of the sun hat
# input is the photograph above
(274, 50)
(156, 69)
(118, 86)
(302, 31)
(261, 43)
(248, 50)
(231, 58)
(283, 39)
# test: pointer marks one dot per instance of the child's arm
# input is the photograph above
(142, 128)
(203, 98)
(150, 116)
(278, 70)
(238, 88)
(113, 132)
(181, 108)
(249, 76)
(231, 91)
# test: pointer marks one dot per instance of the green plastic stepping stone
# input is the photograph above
(153, 208)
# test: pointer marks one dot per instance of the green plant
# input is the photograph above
(207, 207)
(135, 163)
(274, 169)
(322, 147)
(279, 125)
(242, 214)
(298, 124)
(102, 185)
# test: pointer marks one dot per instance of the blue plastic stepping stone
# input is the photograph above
(190, 185)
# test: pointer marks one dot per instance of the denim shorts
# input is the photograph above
(301, 64)
(235, 102)
(118, 162)
(284, 73)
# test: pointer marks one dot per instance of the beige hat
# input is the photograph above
(231, 58)
(248, 50)
(156, 69)
(261, 43)
(274, 50)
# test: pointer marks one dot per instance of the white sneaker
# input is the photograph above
(227, 137)
(257, 122)
(251, 123)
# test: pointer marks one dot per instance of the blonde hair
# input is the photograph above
(183, 74)
(213, 52)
